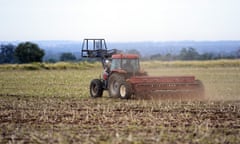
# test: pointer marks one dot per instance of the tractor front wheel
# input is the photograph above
(96, 88)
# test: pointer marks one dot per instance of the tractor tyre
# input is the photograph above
(115, 82)
(125, 90)
(96, 88)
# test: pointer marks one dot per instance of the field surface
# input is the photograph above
(52, 105)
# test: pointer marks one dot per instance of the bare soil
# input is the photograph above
(108, 120)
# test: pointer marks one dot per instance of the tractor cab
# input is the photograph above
(126, 62)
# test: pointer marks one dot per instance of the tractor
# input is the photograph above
(123, 78)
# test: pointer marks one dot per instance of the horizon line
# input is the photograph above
(142, 41)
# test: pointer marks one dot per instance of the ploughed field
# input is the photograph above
(53, 106)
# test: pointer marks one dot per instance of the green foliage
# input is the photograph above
(238, 53)
(167, 57)
(7, 53)
(67, 57)
(185, 54)
(207, 56)
(188, 54)
(29, 52)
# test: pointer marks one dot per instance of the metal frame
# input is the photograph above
(93, 51)
(98, 50)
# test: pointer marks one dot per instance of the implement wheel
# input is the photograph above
(118, 87)
(96, 88)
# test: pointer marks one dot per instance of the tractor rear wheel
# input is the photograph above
(96, 88)
(118, 87)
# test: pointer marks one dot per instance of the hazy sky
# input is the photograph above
(120, 20)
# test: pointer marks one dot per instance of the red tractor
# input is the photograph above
(123, 78)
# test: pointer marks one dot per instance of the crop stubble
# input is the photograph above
(53, 107)
(93, 120)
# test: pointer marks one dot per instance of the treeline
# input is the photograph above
(28, 52)
(25, 52)
(192, 54)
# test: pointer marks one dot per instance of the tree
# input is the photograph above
(166, 57)
(29, 52)
(188, 54)
(156, 57)
(207, 56)
(238, 53)
(7, 53)
(67, 57)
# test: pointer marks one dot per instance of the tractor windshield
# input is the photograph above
(130, 65)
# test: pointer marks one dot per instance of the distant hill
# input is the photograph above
(54, 48)
(174, 47)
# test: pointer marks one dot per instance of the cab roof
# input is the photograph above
(125, 56)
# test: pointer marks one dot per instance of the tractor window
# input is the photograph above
(130, 65)
(116, 64)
